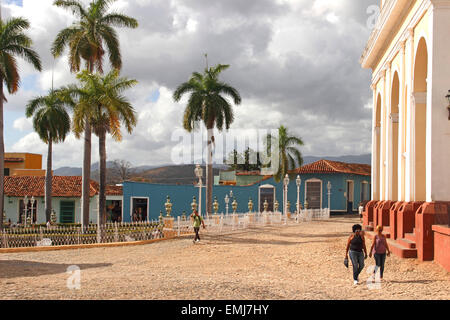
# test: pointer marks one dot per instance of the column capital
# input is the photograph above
(410, 34)
(373, 86)
(402, 46)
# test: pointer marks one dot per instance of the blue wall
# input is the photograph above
(181, 196)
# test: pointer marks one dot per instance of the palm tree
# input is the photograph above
(288, 155)
(101, 99)
(208, 104)
(86, 40)
(52, 123)
(13, 43)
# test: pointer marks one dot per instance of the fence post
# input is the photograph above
(98, 233)
(178, 226)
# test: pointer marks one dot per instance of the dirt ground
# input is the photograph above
(303, 261)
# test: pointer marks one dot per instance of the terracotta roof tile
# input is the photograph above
(327, 166)
(114, 190)
(14, 160)
(62, 186)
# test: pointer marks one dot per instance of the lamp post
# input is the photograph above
(199, 174)
(329, 194)
(285, 182)
(227, 201)
(25, 208)
(298, 181)
(33, 201)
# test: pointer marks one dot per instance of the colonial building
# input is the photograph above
(409, 55)
(23, 164)
(27, 194)
(349, 185)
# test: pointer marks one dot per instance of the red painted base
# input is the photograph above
(413, 227)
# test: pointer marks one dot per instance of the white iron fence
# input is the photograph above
(17, 237)
(233, 222)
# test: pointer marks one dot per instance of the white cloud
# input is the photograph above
(295, 62)
(23, 124)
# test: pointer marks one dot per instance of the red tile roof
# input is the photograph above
(114, 190)
(327, 166)
(14, 160)
(62, 186)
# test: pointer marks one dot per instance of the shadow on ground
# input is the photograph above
(233, 239)
(18, 268)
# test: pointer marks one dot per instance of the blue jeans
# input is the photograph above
(380, 259)
(357, 259)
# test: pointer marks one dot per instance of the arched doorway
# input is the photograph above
(420, 120)
(377, 180)
(395, 100)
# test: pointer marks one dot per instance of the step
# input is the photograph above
(401, 251)
(410, 237)
(406, 243)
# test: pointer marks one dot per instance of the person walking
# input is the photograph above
(380, 249)
(198, 221)
(356, 244)
(361, 210)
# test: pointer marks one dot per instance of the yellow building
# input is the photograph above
(409, 55)
(23, 164)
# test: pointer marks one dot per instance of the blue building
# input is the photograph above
(350, 184)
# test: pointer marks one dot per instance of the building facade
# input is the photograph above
(350, 184)
(23, 164)
(66, 199)
(409, 53)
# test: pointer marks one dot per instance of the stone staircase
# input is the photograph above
(403, 248)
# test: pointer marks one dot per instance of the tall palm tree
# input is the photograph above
(87, 40)
(13, 43)
(288, 155)
(52, 123)
(208, 103)
(101, 99)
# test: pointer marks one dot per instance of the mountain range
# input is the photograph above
(184, 174)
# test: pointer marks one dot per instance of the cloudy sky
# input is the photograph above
(295, 62)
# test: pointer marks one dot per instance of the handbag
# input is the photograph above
(346, 262)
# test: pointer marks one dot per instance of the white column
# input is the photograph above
(401, 128)
(388, 136)
(375, 139)
(409, 169)
(438, 125)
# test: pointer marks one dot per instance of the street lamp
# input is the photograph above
(298, 181)
(227, 201)
(329, 194)
(199, 174)
(25, 208)
(286, 183)
(33, 201)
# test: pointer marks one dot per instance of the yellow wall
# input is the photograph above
(31, 165)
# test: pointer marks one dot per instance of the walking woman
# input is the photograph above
(198, 221)
(356, 244)
(379, 249)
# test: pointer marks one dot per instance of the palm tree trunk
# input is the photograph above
(102, 194)
(209, 173)
(86, 174)
(86, 185)
(2, 157)
(48, 182)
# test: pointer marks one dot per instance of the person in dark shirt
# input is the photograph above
(356, 244)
